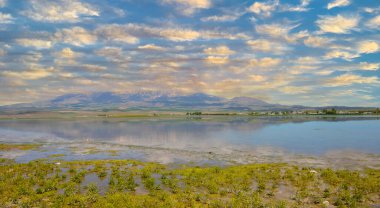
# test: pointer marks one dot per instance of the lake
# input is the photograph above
(317, 140)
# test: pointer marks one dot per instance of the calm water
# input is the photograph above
(304, 136)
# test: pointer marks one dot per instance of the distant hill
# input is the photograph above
(151, 101)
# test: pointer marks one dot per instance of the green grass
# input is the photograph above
(144, 184)
(9, 147)
(56, 155)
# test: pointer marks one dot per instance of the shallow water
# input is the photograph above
(237, 139)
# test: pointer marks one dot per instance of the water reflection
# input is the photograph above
(304, 135)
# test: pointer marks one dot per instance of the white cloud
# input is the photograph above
(209, 35)
(365, 66)
(66, 75)
(305, 2)
(6, 18)
(66, 56)
(113, 54)
(264, 8)
(341, 54)
(337, 24)
(222, 18)
(217, 59)
(152, 47)
(36, 43)
(338, 3)
(302, 7)
(93, 67)
(32, 56)
(77, 36)
(162, 66)
(372, 9)
(218, 55)
(173, 34)
(368, 47)
(119, 12)
(281, 31)
(31, 74)
(220, 50)
(268, 46)
(316, 41)
(302, 69)
(110, 52)
(257, 78)
(349, 53)
(188, 7)
(67, 53)
(324, 72)
(115, 32)
(59, 10)
(369, 66)
(374, 22)
(2, 52)
(349, 79)
(84, 81)
(295, 90)
(274, 30)
(3, 3)
(265, 62)
(179, 34)
(307, 60)
(132, 32)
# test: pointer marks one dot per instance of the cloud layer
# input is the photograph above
(291, 52)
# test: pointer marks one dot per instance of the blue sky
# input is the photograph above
(309, 52)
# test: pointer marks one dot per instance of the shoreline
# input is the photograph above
(69, 151)
(164, 115)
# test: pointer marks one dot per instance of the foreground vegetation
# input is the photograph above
(8, 147)
(127, 183)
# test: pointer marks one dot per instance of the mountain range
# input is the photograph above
(149, 101)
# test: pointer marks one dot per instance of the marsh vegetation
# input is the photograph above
(110, 183)
(9, 147)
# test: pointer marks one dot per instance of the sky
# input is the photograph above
(308, 52)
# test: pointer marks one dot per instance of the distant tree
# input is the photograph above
(197, 113)
(329, 111)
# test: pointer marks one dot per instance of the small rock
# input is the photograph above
(326, 203)
(57, 163)
(313, 171)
